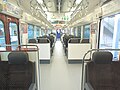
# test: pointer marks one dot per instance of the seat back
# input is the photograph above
(85, 41)
(99, 71)
(21, 71)
(102, 57)
(43, 40)
(74, 40)
(32, 41)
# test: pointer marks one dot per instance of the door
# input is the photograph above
(10, 31)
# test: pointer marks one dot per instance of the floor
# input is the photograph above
(59, 75)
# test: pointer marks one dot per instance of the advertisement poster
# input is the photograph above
(24, 28)
(93, 28)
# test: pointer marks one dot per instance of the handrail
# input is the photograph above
(83, 61)
(19, 48)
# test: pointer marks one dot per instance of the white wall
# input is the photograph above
(77, 51)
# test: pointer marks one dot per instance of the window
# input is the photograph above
(79, 31)
(40, 33)
(30, 31)
(49, 31)
(37, 31)
(13, 34)
(75, 31)
(71, 31)
(86, 32)
(106, 31)
(2, 36)
(109, 34)
(43, 32)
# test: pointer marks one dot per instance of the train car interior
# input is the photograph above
(59, 45)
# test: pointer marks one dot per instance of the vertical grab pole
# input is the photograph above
(38, 69)
(82, 81)
(82, 74)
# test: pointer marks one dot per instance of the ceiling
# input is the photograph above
(71, 7)
(48, 8)
(59, 6)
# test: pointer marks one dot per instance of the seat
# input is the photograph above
(85, 41)
(21, 72)
(3, 75)
(99, 72)
(43, 40)
(74, 40)
(32, 41)
(116, 72)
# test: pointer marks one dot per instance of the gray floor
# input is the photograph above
(59, 75)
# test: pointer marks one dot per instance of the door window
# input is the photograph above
(13, 34)
(9, 29)
(2, 36)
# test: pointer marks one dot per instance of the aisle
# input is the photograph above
(59, 75)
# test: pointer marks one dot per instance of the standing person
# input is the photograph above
(58, 34)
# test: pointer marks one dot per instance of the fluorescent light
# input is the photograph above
(78, 1)
(44, 8)
(40, 1)
(73, 9)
